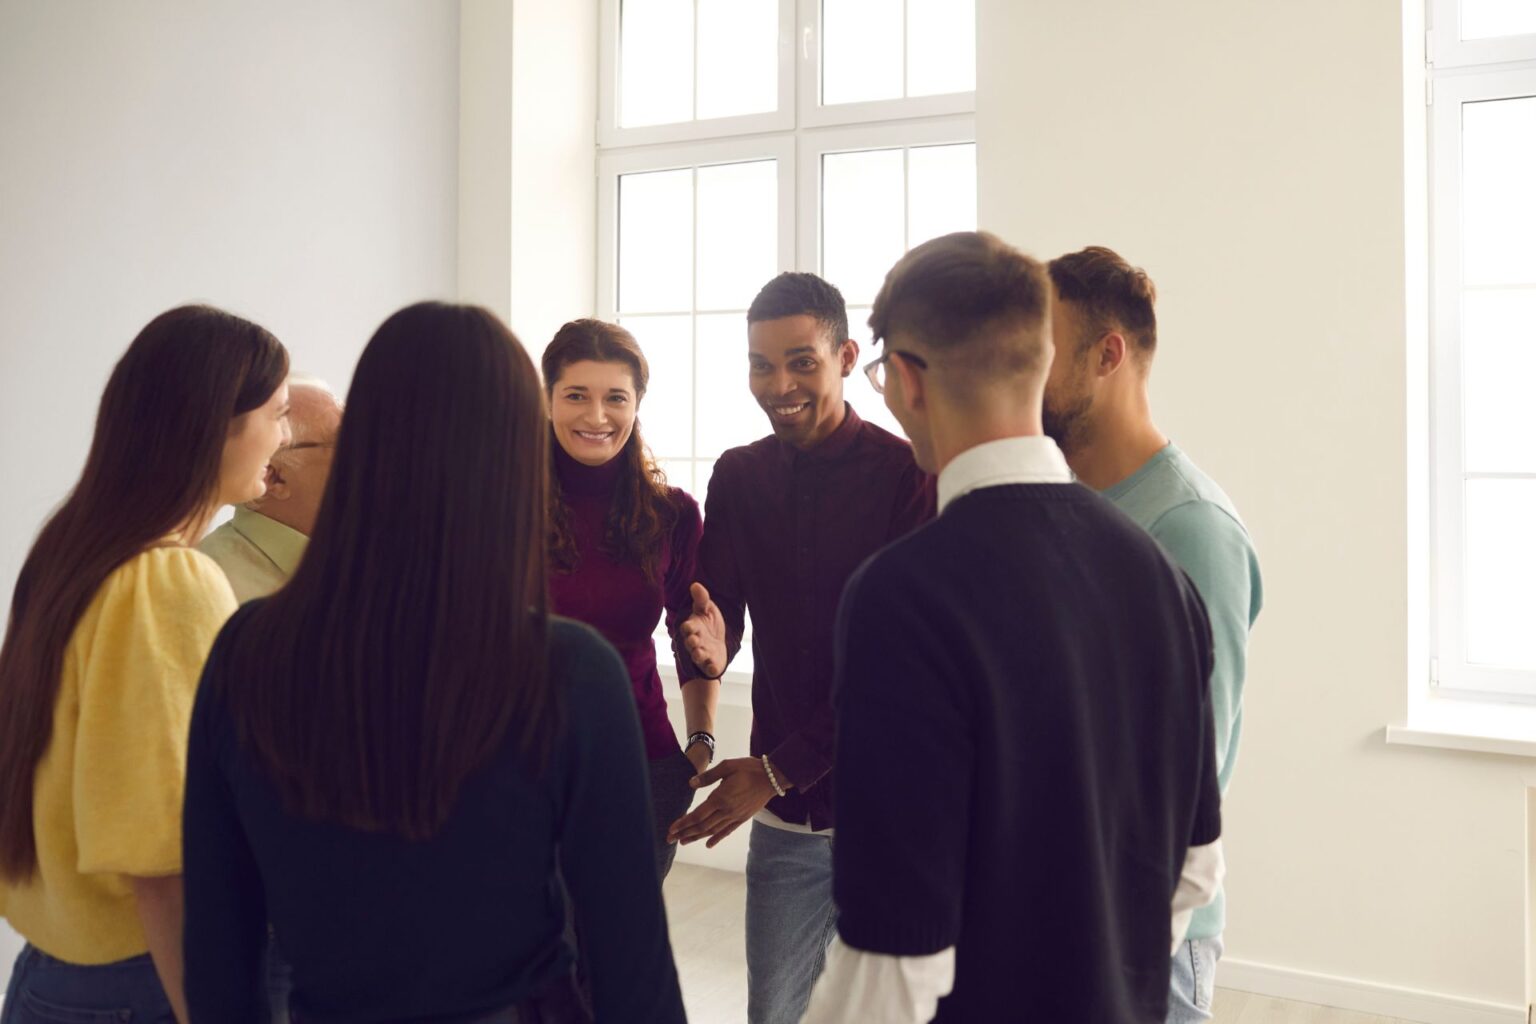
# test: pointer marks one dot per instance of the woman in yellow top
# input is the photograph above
(111, 620)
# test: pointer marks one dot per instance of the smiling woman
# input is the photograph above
(592, 408)
(622, 543)
(111, 619)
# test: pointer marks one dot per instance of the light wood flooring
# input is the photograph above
(705, 908)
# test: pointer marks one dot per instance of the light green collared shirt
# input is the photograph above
(256, 553)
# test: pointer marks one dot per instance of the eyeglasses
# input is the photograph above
(875, 368)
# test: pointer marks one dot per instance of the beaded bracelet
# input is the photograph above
(773, 779)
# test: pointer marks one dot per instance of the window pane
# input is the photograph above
(738, 57)
(679, 474)
(869, 404)
(941, 191)
(1498, 199)
(738, 232)
(1501, 573)
(860, 50)
(1485, 19)
(863, 232)
(941, 46)
(728, 414)
(656, 241)
(1498, 363)
(655, 62)
(666, 412)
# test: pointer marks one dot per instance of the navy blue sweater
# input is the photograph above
(379, 928)
(1025, 752)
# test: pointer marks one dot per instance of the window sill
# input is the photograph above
(1476, 726)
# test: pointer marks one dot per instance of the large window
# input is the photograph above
(741, 138)
(1482, 102)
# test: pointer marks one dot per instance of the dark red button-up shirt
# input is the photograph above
(784, 529)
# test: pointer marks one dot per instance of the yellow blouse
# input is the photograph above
(108, 792)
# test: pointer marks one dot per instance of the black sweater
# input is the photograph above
(1025, 753)
(379, 928)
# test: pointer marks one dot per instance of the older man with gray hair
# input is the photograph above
(261, 546)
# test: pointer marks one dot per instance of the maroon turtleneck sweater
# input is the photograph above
(614, 597)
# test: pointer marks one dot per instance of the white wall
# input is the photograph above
(1252, 158)
(733, 738)
(295, 162)
(528, 162)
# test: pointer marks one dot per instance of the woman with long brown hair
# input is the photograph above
(389, 756)
(623, 544)
(111, 620)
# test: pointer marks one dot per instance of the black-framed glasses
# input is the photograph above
(875, 368)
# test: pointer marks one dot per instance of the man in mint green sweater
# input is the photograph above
(1097, 410)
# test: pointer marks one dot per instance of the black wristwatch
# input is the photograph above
(705, 738)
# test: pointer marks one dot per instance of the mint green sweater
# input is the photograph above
(1197, 524)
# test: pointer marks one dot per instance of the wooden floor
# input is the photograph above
(706, 911)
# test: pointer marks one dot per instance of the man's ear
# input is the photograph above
(913, 394)
(1111, 354)
(277, 486)
(848, 356)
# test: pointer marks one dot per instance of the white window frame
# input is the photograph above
(800, 67)
(1446, 49)
(815, 144)
(611, 166)
(798, 134)
(1451, 674)
(814, 115)
(611, 134)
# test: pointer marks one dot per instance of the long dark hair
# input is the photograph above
(411, 638)
(153, 468)
(642, 514)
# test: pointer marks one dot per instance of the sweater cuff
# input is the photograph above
(905, 937)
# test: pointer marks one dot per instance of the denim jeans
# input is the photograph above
(44, 990)
(790, 921)
(1194, 981)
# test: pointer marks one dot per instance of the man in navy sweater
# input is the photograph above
(1027, 805)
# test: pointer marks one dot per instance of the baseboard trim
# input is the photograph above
(1362, 996)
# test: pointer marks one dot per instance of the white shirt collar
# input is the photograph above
(1013, 460)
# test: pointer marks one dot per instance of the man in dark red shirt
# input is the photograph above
(787, 521)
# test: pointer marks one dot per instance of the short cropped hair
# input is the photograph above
(797, 294)
(1112, 294)
(969, 291)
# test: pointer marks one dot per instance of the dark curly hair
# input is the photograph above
(642, 514)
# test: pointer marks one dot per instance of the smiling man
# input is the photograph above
(787, 521)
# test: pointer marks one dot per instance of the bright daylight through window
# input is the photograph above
(741, 138)
(1483, 163)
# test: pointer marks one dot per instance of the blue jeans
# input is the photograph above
(44, 990)
(1193, 981)
(790, 921)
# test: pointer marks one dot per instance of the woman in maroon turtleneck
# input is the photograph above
(623, 544)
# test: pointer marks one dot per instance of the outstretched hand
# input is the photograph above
(703, 634)
(744, 790)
